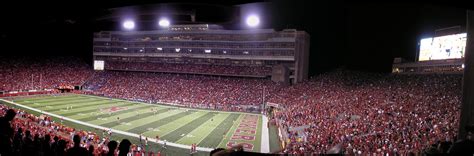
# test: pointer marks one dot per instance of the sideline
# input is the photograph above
(265, 146)
(105, 128)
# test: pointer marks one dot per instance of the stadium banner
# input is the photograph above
(299, 128)
(273, 104)
(25, 93)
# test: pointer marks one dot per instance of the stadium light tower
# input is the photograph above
(164, 23)
(129, 24)
(253, 21)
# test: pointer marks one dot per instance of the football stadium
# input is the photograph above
(214, 78)
(184, 126)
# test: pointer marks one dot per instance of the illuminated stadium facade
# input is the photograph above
(206, 49)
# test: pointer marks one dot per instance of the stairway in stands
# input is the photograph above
(96, 81)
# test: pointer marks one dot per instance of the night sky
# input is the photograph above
(354, 35)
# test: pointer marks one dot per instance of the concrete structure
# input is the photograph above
(467, 109)
(209, 45)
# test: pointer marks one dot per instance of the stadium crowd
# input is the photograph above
(361, 113)
(221, 93)
(25, 134)
(42, 73)
(190, 68)
(370, 114)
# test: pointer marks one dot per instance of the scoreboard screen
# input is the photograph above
(443, 47)
(98, 65)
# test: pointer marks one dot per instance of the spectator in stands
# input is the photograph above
(236, 150)
(91, 150)
(433, 150)
(46, 145)
(54, 145)
(6, 132)
(18, 141)
(28, 144)
(464, 146)
(124, 147)
(216, 151)
(112, 145)
(37, 144)
(61, 148)
(444, 146)
(77, 150)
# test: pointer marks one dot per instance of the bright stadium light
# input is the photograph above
(164, 23)
(253, 21)
(129, 25)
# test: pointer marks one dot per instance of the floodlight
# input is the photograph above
(129, 25)
(164, 23)
(253, 21)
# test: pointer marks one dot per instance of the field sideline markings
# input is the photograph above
(192, 123)
(28, 100)
(104, 115)
(265, 141)
(53, 100)
(185, 118)
(214, 140)
(209, 130)
(228, 134)
(97, 113)
(99, 105)
(77, 106)
(162, 104)
(139, 129)
(58, 103)
(187, 147)
(76, 111)
(43, 98)
(171, 106)
(159, 116)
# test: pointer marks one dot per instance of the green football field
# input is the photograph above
(184, 126)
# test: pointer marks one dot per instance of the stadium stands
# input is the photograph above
(362, 113)
(370, 113)
(190, 68)
(42, 73)
(222, 93)
(33, 135)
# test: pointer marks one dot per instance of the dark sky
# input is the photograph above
(357, 35)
